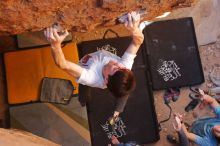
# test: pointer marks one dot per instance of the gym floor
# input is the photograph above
(67, 125)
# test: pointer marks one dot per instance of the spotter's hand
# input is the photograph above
(204, 97)
(178, 122)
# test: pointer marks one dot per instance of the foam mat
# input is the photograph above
(25, 70)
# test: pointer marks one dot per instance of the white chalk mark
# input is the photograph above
(169, 70)
(163, 15)
(118, 129)
(108, 48)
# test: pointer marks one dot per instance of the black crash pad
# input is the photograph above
(138, 122)
(172, 54)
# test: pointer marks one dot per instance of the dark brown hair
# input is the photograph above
(121, 83)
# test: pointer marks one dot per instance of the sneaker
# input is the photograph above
(192, 105)
(172, 139)
(194, 96)
(167, 96)
(176, 94)
(82, 104)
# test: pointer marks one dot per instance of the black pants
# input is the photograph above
(84, 94)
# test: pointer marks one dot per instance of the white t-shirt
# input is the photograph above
(93, 64)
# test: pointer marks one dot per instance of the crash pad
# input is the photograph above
(25, 70)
